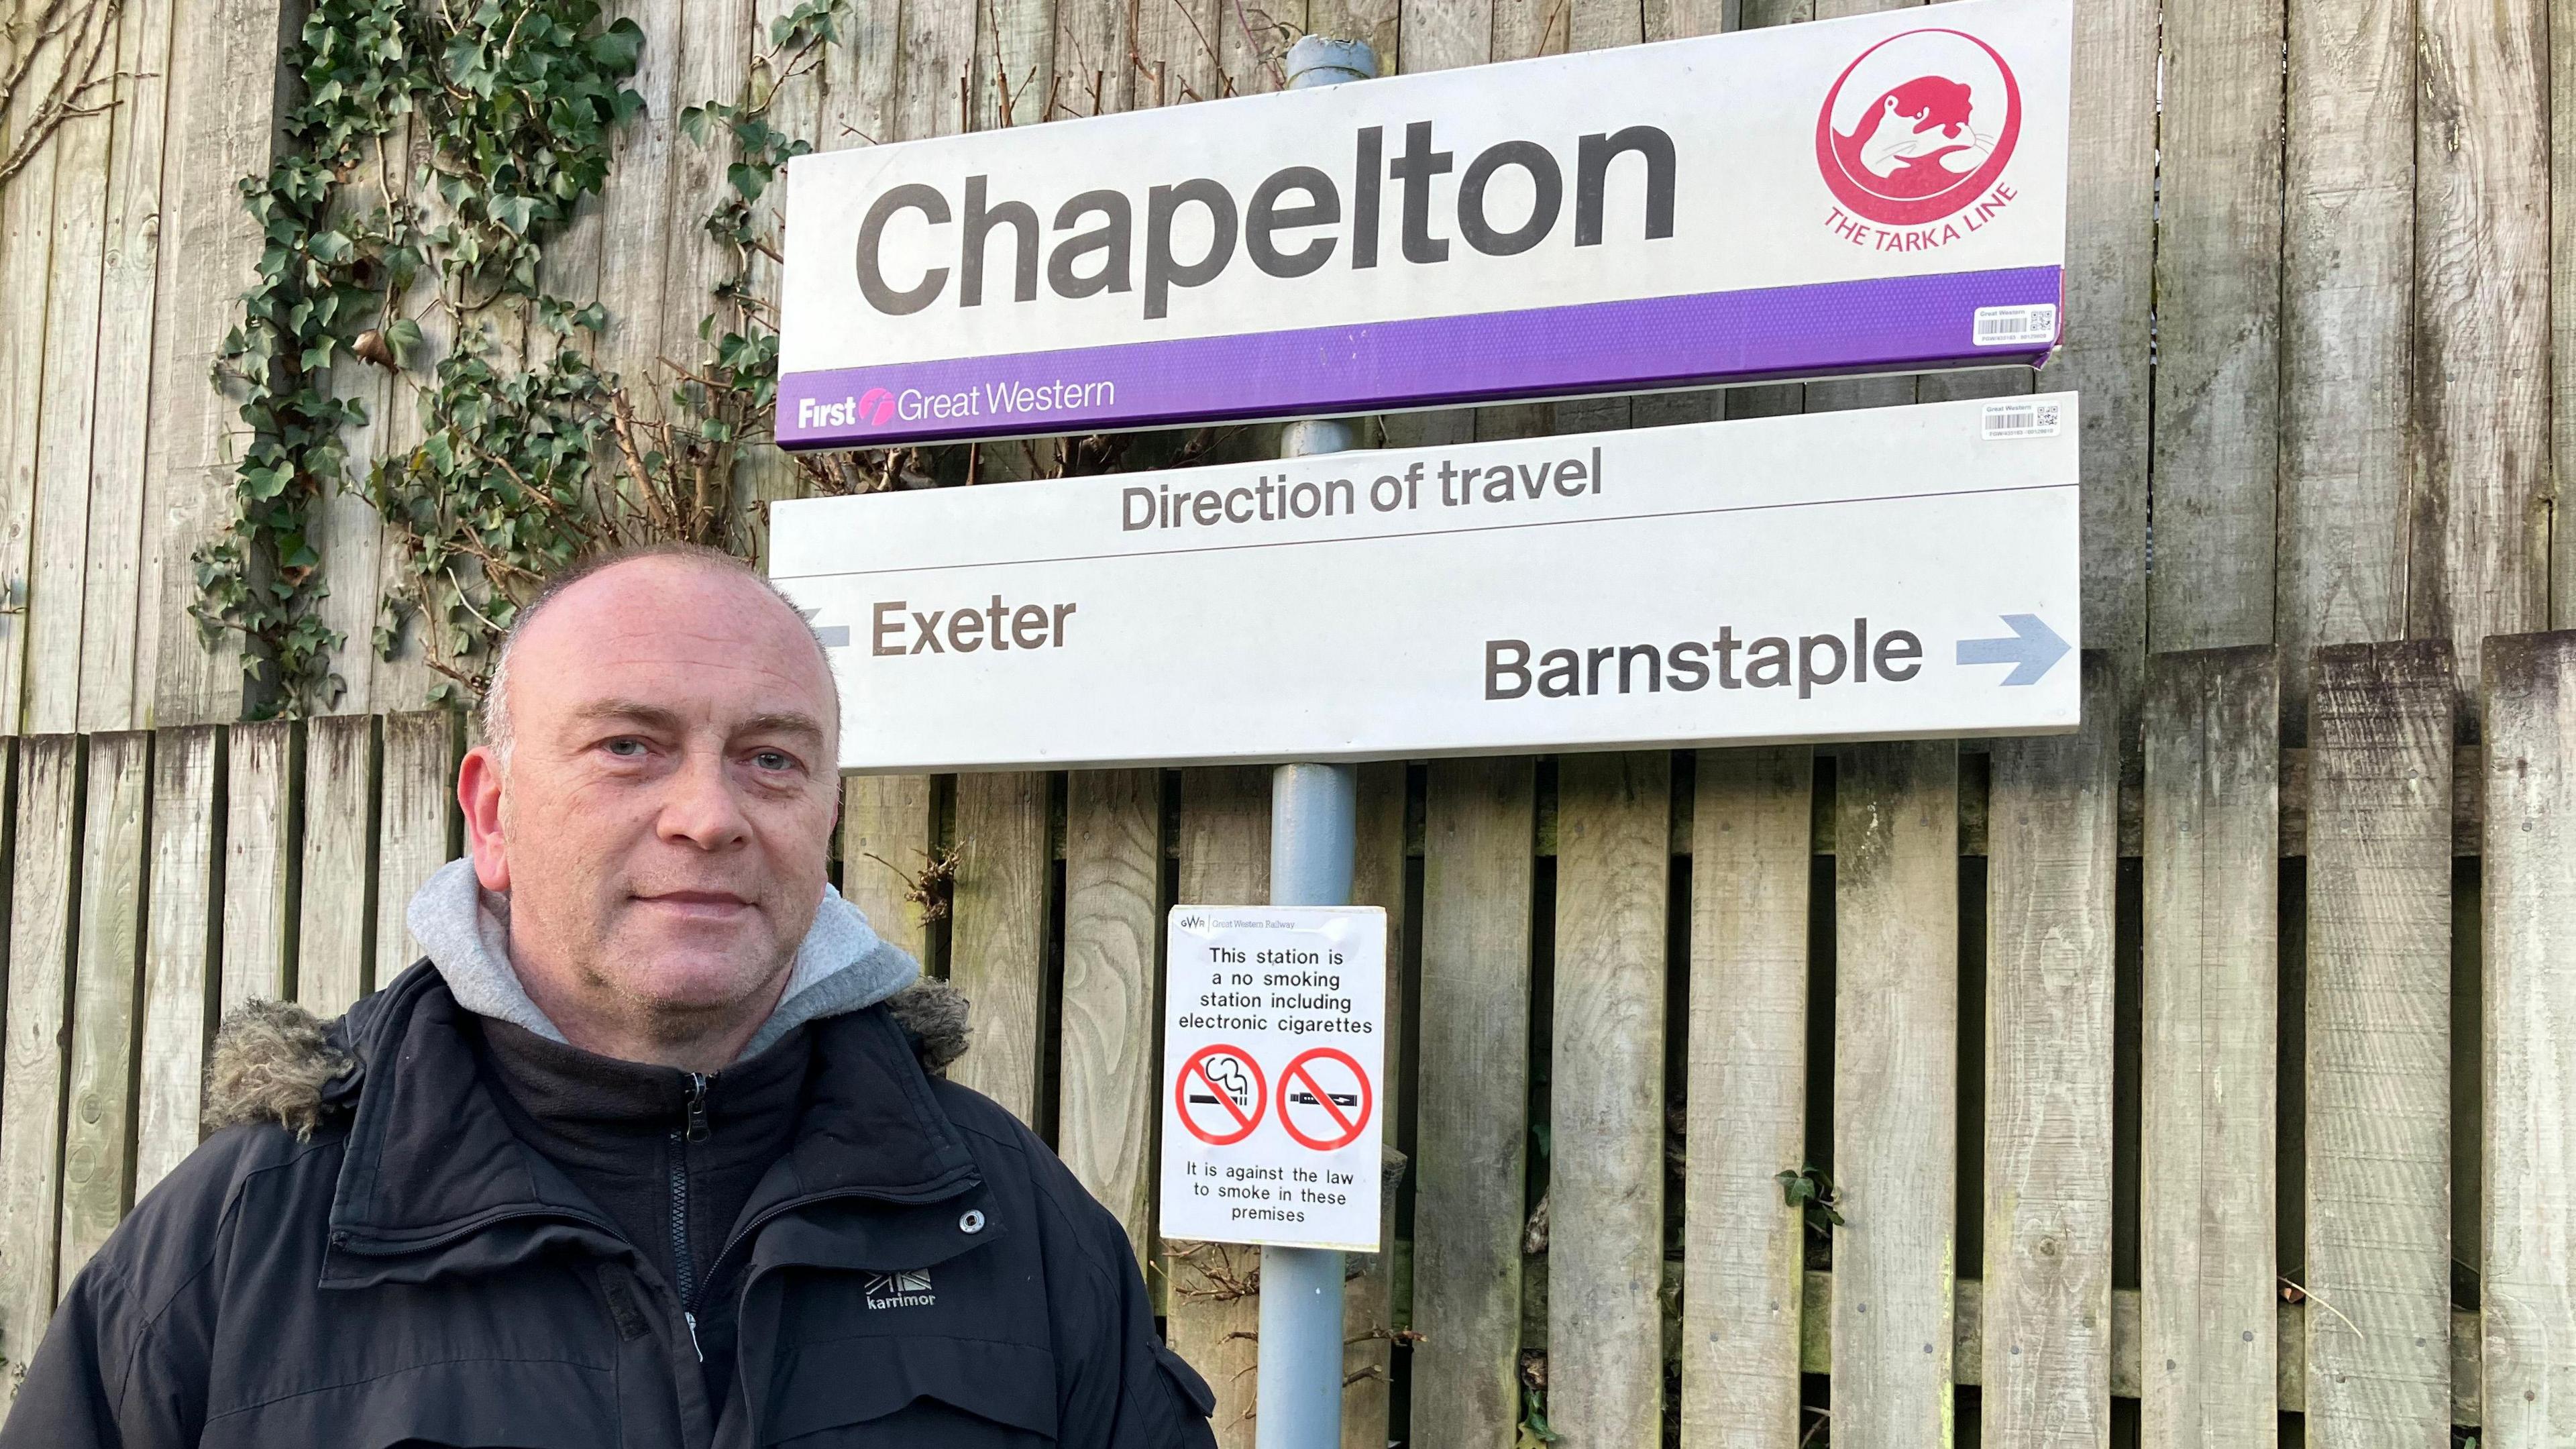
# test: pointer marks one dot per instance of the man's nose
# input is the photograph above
(701, 807)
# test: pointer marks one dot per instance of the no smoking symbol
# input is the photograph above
(1221, 1095)
(1324, 1099)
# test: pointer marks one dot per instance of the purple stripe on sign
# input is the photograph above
(1882, 324)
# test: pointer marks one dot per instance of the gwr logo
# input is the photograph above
(872, 409)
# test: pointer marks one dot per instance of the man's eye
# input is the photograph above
(625, 748)
(773, 760)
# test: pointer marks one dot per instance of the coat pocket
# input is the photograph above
(898, 1392)
(463, 1403)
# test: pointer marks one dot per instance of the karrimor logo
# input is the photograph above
(910, 1289)
(1917, 129)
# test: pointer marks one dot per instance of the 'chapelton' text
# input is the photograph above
(1279, 228)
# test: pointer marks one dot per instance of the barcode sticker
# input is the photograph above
(2008, 326)
(2022, 419)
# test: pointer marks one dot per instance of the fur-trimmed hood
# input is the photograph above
(273, 1061)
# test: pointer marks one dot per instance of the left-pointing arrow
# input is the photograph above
(831, 636)
(2031, 649)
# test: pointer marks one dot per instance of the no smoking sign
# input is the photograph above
(1274, 1038)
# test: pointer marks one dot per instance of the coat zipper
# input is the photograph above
(684, 1271)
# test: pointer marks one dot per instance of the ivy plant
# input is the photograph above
(530, 453)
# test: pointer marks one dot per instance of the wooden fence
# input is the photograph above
(2230, 1099)
(2202, 1078)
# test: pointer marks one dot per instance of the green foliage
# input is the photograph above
(1535, 1432)
(1812, 1188)
(530, 454)
(322, 281)
(518, 100)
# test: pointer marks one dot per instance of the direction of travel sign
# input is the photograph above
(1273, 1038)
(1888, 574)
(1880, 193)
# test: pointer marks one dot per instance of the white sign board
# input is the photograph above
(1880, 193)
(1888, 574)
(1274, 1029)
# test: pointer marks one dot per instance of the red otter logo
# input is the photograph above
(1918, 127)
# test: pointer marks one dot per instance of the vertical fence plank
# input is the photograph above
(2052, 845)
(419, 796)
(222, 127)
(1605, 1338)
(1093, 75)
(1471, 1140)
(1368, 1301)
(714, 69)
(263, 796)
(2529, 1288)
(336, 916)
(2379, 1046)
(1113, 886)
(885, 841)
(178, 948)
(2347, 325)
(1747, 1096)
(1014, 62)
(997, 952)
(79, 161)
(1896, 1061)
(26, 243)
(98, 1155)
(1214, 1306)
(635, 211)
(937, 58)
(2218, 300)
(2110, 280)
(45, 893)
(2479, 555)
(2562, 315)
(128, 282)
(342, 525)
(2208, 1031)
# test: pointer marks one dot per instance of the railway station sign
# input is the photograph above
(1274, 1035)
(1879, 193)
(1882, 574)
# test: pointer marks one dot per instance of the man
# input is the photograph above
(645, 1153)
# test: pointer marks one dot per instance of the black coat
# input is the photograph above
(918, 1269)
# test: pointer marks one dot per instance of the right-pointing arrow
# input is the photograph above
(2031, 649)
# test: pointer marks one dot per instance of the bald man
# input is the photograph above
(651, 1150)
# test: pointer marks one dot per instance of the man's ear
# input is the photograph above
(478, 792)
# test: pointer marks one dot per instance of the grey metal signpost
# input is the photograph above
(1313, 830)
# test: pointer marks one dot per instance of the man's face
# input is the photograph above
(663, 822)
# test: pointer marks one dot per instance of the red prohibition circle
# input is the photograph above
(1351, 1126)
(1196, 1069)
(1889, 210)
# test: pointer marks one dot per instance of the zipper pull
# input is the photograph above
(693, 1336)
(697, 1106)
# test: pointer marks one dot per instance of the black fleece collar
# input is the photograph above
(432, 1172)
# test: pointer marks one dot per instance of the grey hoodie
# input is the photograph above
(842, 965)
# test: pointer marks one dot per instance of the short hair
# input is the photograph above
(495, 708)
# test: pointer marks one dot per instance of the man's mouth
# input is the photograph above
(698, 905)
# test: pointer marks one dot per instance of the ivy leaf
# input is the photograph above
(747, 180)
(402, 334)
(617, 47)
